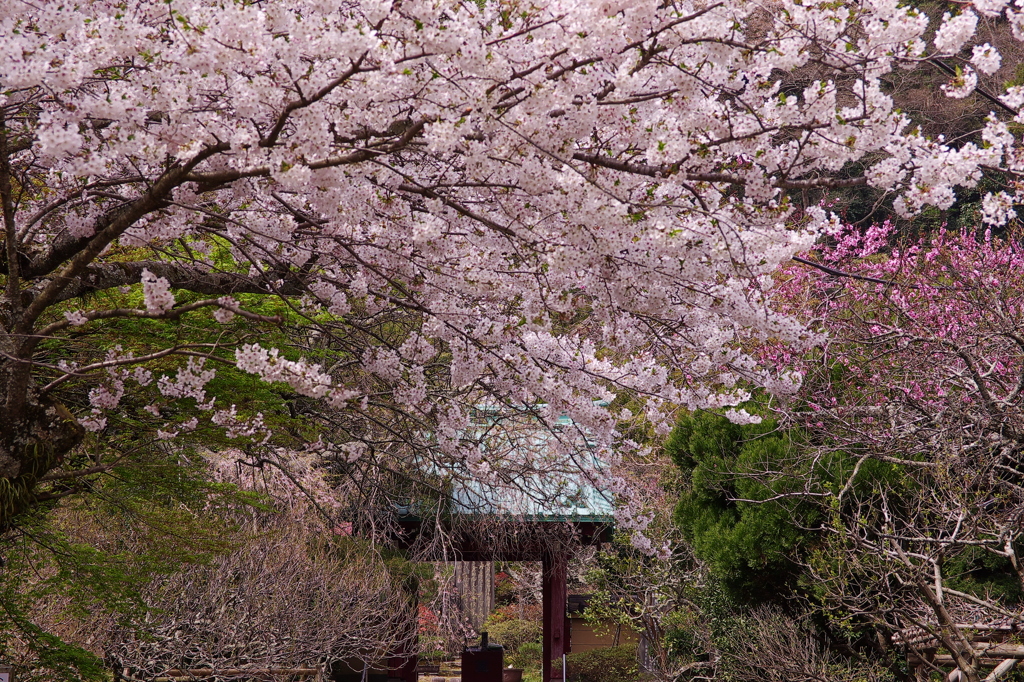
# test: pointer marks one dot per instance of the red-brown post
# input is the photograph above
(555, 595)
(403, 667)
(402, 663)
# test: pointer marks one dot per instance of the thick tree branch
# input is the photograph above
(667, 170)
(213, 180)
(110, 228)
(185, 276)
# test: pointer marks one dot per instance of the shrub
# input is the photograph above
(513, 633)
(504, 589)
(610, 664)
(529, 656)
(433, 655)
(529, 611)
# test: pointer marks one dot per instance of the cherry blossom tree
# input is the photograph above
(918, 394)
(531, 208)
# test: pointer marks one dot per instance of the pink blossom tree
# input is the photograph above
(498, 204)
(920, 387)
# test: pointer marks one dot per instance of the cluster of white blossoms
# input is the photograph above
(156, 293)
(225, 313)
(962, 85)
(189, 382)
(986, 58)
(954, 32)
(549, 204)
(308, 379)
(76, 317)
(998, 208)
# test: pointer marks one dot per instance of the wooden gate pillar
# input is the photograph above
(402, 663)
(555, 595)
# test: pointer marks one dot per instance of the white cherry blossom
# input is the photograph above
(986, 58)
(460, 204)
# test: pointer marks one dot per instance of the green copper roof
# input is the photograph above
(563, 495)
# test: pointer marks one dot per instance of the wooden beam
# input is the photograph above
(992, 657)
(1002, 669)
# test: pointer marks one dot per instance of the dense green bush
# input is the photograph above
(748, 545)
(529, 656)
(513, 634)
(609, 664)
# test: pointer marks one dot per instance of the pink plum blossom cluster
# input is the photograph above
(465, 203)
(917, 326)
